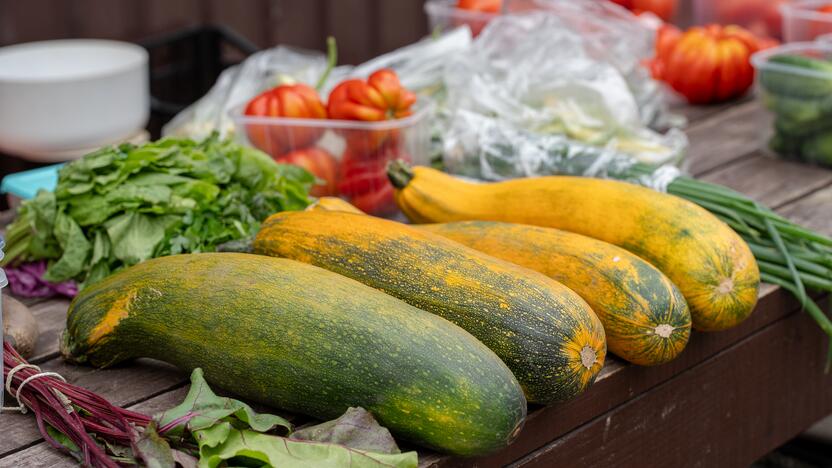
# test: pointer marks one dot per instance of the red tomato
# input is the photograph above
(819, 28)
(664, 9)
(761, 17)
(708, 64)
(320, 163)
(485, 6)
(296, 101)
(364, 178)
(379, 203)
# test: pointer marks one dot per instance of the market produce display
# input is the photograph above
(304, 339)
(125, 204)
(797, 88)
(709, 262)
(544, 332)
(509, 289)
(646, 319)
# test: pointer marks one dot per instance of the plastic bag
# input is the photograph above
(483, 147)
(534, 75)
(237, 84)
(614, 35)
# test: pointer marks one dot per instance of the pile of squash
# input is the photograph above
(499, 295)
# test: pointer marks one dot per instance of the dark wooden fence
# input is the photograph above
(364, 28)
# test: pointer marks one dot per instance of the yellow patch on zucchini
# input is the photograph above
(117, 312)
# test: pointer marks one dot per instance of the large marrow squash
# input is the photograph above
(646, 319)
(304, 339)
(546, 334)
(706, 259)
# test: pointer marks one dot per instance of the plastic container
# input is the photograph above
(349, 156)
(444, 15)
(804, 21)
(762, 17)
(795, 84)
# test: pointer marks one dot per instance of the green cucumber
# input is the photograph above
(794, 83)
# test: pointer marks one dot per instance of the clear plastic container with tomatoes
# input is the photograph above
(348, 156)
(761, 17)
(447, 14)
(806, 20)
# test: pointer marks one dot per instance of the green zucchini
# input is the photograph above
(303, 339)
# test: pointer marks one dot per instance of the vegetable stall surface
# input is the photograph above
(304, 339)
(546, 334)
(123, 205)
(646, 319)
(712, 266)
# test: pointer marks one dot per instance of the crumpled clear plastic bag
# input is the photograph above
(418, 65)
(534, 75)
(237, 84)
(483, 147)
(613, 34)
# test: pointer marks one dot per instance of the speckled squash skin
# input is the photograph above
(706, 259)
(646, 319)
(303, 339)
(546, 334)
(333, 204)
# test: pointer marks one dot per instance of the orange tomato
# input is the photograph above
(664, 9)
(320, 163)
(706, 64)
(485, 6)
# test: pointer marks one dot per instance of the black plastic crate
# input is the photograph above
(185, 64)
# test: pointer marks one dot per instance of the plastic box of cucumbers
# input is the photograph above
(795, 83)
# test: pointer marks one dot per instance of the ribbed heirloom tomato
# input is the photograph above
(297, 101)
(706, 64)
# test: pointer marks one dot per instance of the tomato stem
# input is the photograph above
(331, 61)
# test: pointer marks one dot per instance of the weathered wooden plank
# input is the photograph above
(770, 180)
(728, 411)
(124, 386)
(813, 211)
(695, 114)
(726, 136)
(51, 318)
(42, 454)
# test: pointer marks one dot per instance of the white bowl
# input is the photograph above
(71, 94)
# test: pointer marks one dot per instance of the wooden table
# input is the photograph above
(727, 400)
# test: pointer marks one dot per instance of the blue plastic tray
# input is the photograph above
(26, 184)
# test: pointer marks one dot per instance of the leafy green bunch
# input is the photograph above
(125, 204)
